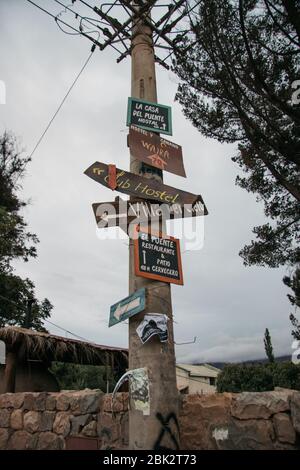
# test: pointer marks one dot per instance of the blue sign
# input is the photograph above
(128, 307)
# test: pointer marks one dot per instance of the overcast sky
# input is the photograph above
(227, 305)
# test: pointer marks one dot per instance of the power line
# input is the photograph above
(44, 319)
(67, 331)
(53, 16)
(77, 15)
(57, 20)
(82, 18)
(64, 99)
(86, 4)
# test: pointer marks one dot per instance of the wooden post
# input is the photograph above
(10, 372)
(160, 428)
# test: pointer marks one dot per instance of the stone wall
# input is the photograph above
(267, 420)
(50, 420)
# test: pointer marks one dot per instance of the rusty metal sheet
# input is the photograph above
(149, 148)
(140, 186)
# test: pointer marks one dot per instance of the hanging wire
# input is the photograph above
(53, 16)
(63, 101)
(78, 15)
(48, 321)
(82, 33)
(120, 32)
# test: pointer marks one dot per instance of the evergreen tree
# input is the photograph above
(268, 346)
(18, 303)
(293, 282)
(240, 64)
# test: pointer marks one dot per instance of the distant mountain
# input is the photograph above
(220, 365)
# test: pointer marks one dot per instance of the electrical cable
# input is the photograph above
(67, 331)
(63, 100)
(54, 324)
(57, 20)
(77, 15)
(53, 16)
(82, 19)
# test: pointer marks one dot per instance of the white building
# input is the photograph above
(196, 379)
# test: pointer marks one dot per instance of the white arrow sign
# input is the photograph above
(125, 308)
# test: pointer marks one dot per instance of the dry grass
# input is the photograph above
(29, 344)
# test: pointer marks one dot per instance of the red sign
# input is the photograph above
(149, 148)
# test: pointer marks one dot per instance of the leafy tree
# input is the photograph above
(268, 346)
(78, 377)
(293, 282)
(241, 378)
(236, 73)
(258, 377)
(18, 303)
(287, 375)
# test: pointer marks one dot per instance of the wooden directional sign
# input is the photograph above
(127, 307)
(149, 148)
(157, 257)
(150, 116)
(120, 212)
(141, 187)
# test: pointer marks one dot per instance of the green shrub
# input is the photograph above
(78, 377)
(287, 375)
(258, 377)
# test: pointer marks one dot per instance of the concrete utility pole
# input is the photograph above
(160, 428)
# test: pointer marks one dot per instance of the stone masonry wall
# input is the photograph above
(267, 420)
(46, 420)
(245, 421)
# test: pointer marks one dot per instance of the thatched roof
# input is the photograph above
(29, 344)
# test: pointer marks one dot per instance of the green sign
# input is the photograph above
(128, 307)
(150, 116)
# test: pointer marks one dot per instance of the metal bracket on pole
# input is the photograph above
(112, 24)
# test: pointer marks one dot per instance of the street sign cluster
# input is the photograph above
(156, 255)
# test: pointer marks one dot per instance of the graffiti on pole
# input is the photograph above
(168, 436)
